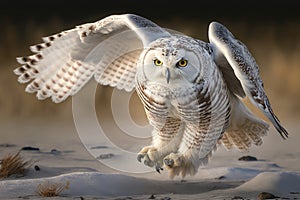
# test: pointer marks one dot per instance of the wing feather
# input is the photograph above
(107, 49)
(245, 69)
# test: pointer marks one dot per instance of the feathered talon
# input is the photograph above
(179, 164)
(169, 162)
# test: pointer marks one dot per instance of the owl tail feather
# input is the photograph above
(244, 129)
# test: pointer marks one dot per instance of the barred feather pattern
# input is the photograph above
(206, 121)
(203, 110)
(119, 73)
(168, 138)
(167, 129)
(244, 129)
(107, 49)
(53, 72)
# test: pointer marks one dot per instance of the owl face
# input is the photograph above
(170, 64)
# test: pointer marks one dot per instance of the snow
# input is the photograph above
(277, 170)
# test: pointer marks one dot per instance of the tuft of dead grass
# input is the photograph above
(13, 165)
(48, 189)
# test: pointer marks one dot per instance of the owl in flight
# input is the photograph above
(191, 90)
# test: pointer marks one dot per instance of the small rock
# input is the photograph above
(237, 198)
(29, 148)
(55, 151)
(37, 168)
(125, 198)
(23, 197)
(294, 192)
(99, 147)
(221, 177)
(266, 195)
(248, 158)
(7, 145)
(166, 198)
(105, 156)
(152, 196)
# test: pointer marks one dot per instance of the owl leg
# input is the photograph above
(153, 155)
(165, 140)
(194, 150)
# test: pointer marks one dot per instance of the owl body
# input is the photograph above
(191, 90)
(189, 106)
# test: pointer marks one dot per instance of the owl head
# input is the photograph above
(171, 61)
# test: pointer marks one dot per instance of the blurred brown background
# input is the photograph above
(271, 32)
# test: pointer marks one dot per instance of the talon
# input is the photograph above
(168, 162)
(140, 157)
(158, 168)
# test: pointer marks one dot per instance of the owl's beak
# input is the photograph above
(167, 74)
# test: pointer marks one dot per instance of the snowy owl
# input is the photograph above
(191, 90)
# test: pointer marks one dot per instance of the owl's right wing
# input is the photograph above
(107, 49)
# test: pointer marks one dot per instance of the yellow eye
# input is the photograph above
(157, 62)
(182, 63)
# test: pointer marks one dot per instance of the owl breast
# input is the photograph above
(204, 101)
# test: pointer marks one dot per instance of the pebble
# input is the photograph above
(237, 198)
(266, 195)
(55, 151)
(29, 148)
(221, 177)
(166, 198)
(248, 158)
(105, 156)
(37, 168)
(125, 198)
(99, 147)
(7, 145)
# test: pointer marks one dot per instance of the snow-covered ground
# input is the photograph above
(63, 158)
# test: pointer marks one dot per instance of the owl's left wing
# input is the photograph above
(107, 49)
(224, 44)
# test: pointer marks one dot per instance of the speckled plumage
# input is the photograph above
(190, 89)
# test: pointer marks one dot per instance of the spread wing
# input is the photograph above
(107, 49)
(225, 45)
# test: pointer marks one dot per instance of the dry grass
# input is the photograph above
(47, 189)
(13, 165)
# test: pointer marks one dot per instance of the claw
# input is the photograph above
(150, 156)
(147, 161)
(158, 168)
(140, 157)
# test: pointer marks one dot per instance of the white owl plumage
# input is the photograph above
(190, 89)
